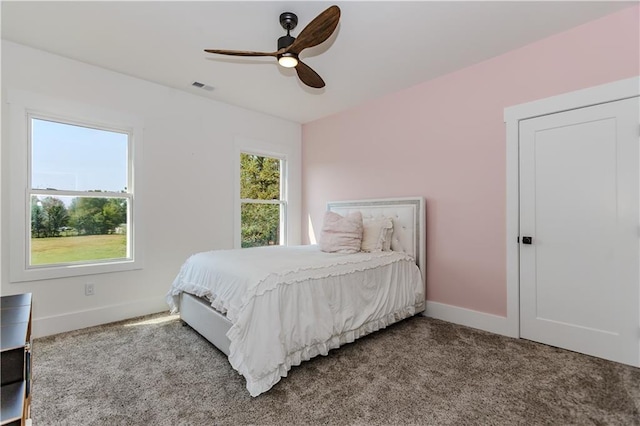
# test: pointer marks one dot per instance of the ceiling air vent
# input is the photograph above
(202, 86)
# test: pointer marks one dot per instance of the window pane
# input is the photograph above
(259, 177)
(77, 229)
(260, 224)
(76, 158)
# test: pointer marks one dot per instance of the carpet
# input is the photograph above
(156, 371)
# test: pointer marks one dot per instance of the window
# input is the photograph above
(262, 201)
(73, 204)
(79, 194)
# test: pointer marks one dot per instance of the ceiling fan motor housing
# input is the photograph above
(288, 20)
(285, 41)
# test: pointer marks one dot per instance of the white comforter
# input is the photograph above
(289, 304)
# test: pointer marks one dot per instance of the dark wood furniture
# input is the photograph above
(15, 359)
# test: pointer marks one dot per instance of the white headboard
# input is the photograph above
(409, 218)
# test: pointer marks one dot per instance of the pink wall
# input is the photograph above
(445, 140)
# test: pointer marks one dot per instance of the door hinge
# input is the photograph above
(518, 240)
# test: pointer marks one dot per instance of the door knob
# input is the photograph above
(527, 240)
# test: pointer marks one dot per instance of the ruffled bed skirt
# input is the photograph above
(263, 384)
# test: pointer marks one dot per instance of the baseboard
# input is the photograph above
(470, 318)
(46, 326)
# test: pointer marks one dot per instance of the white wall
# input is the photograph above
(186, 183)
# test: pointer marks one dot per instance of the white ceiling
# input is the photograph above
(378, 48)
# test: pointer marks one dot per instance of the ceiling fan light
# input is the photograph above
(288, 60)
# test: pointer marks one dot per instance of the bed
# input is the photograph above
(270, 308)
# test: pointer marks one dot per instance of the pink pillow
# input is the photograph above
(341, 234)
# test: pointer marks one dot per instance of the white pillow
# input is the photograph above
(376, 235)
(341, 234)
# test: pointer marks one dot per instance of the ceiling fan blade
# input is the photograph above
(317, 31)
(240, 52)
(309, 76)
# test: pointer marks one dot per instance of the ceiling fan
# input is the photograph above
(316, 32)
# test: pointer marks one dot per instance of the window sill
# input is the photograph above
(54, 272)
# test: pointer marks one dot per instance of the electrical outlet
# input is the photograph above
(89, 290)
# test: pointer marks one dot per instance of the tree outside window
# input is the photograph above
(262, 204)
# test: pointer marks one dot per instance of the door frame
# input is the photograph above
(618, 90)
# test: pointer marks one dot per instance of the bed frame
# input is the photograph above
(409, 236)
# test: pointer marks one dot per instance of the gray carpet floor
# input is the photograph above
(155, 371)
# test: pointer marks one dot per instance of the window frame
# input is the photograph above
(23, 107)
(263, 150)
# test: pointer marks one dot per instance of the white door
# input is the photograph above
(579, 204)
